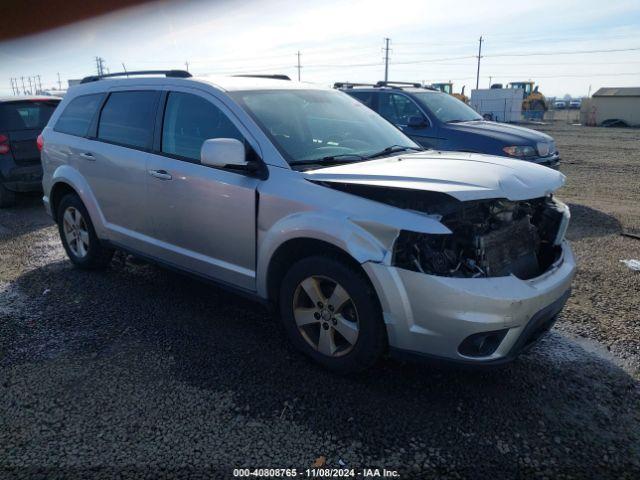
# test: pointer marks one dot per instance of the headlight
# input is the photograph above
(520, 151)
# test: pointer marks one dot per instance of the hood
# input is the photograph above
(465, 176)
(509, 134)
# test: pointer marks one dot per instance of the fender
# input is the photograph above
(364, 240)
(69, 175)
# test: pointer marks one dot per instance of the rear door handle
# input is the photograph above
(87, 156)
(161, 174)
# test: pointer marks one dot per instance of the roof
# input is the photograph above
(229, 83)
(618, 92)
(28, 98)
(374, 88)
(225, 83)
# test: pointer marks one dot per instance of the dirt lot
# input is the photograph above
(136, 370)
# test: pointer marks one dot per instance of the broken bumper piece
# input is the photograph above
(470, 320)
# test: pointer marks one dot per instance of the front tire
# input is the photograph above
(78, 235)
(331, 313)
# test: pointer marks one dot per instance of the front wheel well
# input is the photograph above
(296, 249)
(58, 192)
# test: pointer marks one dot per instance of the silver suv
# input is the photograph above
(309, 201)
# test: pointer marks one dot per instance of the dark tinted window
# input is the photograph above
(77, 116)
(31, 115)
(398, 108)
(128, 118)
(189, 120)
(364, 97)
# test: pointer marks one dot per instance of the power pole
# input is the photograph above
(100, 66)
(490, 78)
(299, 67)
(125, 69)
(30, 87)
(39, 85)
(59, 82)
(479, 57)
(186, 65)
(386, 59)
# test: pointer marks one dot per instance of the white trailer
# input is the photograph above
(499, 104)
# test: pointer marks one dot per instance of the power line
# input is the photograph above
(568, 52)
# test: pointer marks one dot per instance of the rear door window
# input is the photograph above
(77, 116)
(27, 115)
(189, 120)
(128, 118)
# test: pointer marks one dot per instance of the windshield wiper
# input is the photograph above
(394, 149)
(330, 159)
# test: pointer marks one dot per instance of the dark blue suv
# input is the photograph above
(440, 121)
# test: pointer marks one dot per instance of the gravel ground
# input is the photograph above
(140, 371)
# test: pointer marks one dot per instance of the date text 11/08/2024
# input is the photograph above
(316, 472)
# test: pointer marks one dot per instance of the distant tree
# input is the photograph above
(567, 96)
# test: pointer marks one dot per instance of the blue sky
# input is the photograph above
(342, 40)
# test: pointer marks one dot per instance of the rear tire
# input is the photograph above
(78, 236)
(7, 197)
(331, 313)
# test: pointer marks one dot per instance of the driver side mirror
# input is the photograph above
(417, 121)
(223, 152)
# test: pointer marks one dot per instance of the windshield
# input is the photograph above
(321, 125)
(26, 115)
(446, 108)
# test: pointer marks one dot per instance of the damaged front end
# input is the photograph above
(489, 238)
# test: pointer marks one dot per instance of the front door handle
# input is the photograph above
(161, 174)
(87, 156)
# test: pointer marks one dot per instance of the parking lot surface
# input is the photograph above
(138, 370)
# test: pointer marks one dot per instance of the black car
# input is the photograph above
(21, 121)
(440, 121)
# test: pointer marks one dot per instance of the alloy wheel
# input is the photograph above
(326, 316)
(76, 232)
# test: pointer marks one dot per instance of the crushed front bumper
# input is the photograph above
(432, 316)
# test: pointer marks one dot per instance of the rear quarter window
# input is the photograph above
(77, 116)
(128, 118)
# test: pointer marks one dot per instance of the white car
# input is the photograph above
(307, 200)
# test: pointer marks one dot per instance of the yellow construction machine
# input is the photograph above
(534, 104)
(447, 87)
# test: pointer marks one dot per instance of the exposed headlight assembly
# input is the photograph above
(520, 151)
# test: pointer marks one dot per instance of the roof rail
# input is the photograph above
(277, 76)
(391, 84)
(166, 73)
(352, 84)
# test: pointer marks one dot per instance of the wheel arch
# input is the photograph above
(67, 179)
(58, 191)
(295, 249)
